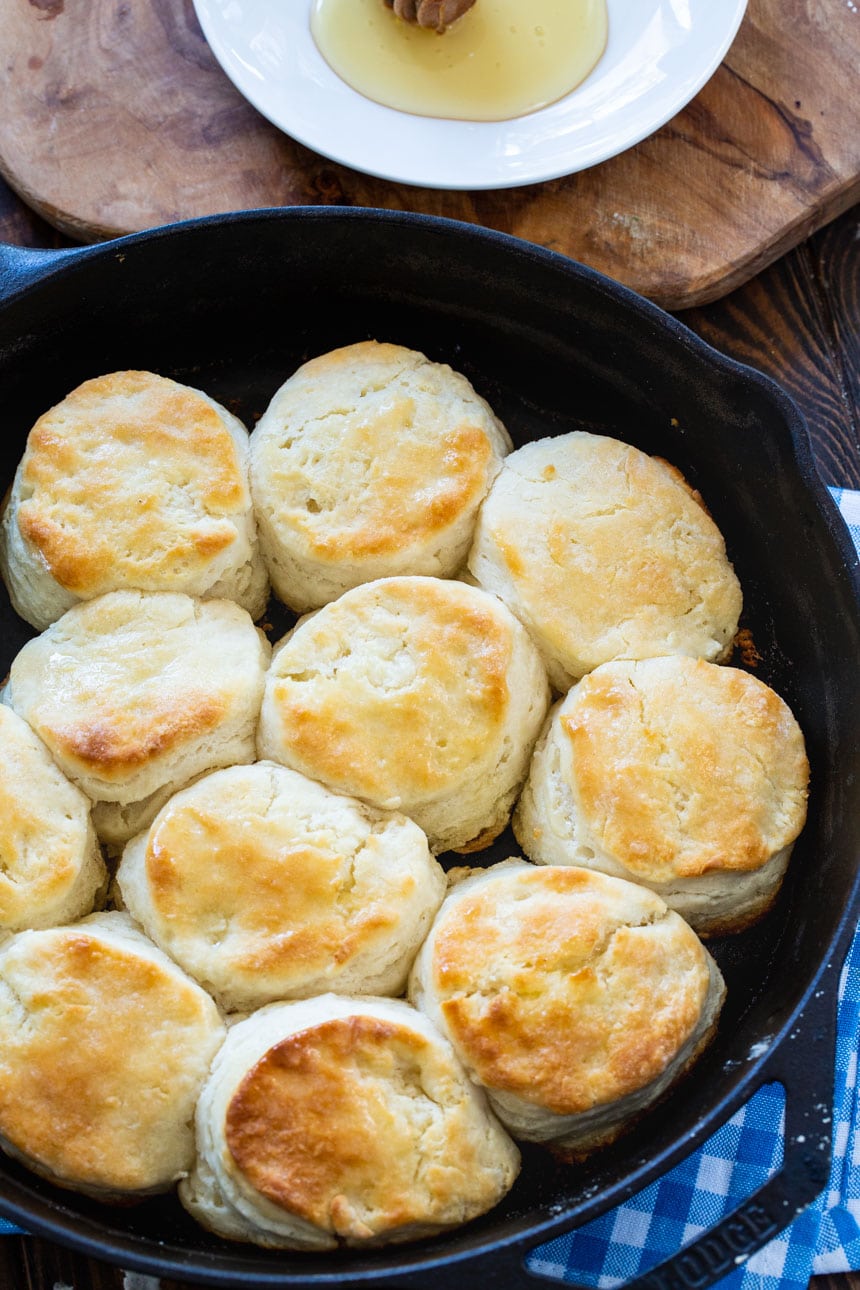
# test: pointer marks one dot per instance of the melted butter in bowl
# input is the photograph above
(502, 59)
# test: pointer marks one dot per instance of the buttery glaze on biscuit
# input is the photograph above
(370, 461)
(683, 775)
(81, 533)
(122, 739)
(264, 885)
(388, 665)
(337, 1120)
(132, 481)
(51, 870)
(414, 694)
(602, 552)
(575, 999)
(136, 692)
(299, 1134)
(104, 1046)
(708, 743)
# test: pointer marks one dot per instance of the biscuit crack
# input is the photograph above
(557, 971)
(14, 1002)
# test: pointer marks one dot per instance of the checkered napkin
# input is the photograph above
(733, 1163)
(730, 1166)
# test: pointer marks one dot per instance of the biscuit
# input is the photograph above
(685, 776)
(573, 998)
(104, 1047)
(342, 1121)
(117, 822)
(133, 481)
(264, 885)
(138, 691)
(414, 694)
(604, 552)
(51, 869)
(370, 461)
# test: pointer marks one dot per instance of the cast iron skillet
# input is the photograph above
(232, 305)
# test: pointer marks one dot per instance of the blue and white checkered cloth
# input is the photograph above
(730, 1166)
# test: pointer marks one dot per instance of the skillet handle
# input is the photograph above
(803, 1064)
(22, 266)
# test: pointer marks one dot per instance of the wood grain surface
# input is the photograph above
(799, 321)
(115, 117)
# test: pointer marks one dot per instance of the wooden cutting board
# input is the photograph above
(115, 117)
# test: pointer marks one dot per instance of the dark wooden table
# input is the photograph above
(799, 322)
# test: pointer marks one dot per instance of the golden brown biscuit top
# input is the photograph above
(564, 987)
(610, 551)
(43, 822)
(682, 767)
(279, 886)
(358, 1125)
(371, 448)
(128, 481)
(123, 680)
(97, 1044)
(122, 739)
(396, 690)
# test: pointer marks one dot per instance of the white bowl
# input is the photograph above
(659, 55)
